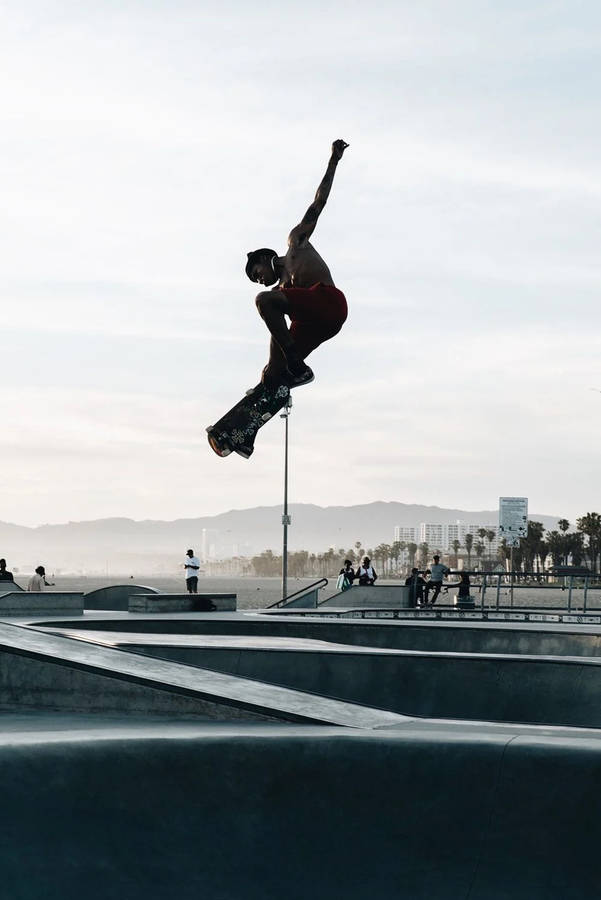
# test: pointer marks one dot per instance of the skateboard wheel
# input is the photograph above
(217, 447)
(266, 417)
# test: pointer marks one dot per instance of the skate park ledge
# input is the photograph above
(171, 603)
(395, 596)
(46, 603)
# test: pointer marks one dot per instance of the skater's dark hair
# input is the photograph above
(264, 254)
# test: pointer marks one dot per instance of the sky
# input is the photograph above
(147, 145)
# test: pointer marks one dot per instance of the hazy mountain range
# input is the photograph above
(127, 545)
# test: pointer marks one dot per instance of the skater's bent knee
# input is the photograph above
(267, 301)
(262, 301)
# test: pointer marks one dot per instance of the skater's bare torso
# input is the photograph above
(302, 266)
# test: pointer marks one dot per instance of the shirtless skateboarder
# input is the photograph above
(305, 292)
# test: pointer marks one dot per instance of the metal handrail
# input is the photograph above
(310, 587)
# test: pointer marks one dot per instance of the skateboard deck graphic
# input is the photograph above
(237, 429)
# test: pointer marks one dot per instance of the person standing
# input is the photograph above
(346, 576)
(5, 575)
(437, 573)
(366, 573)
(38, 582)
(192, 567)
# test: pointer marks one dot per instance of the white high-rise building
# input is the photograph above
(434, 535)
(440, 536)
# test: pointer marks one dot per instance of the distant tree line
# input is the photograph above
(562, 546)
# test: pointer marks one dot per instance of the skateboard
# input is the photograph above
(237, 429)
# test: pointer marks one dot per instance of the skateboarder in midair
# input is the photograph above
(305, 292)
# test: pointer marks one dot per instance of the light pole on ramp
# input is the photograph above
(286, 519)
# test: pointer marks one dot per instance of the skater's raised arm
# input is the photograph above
(303, 231)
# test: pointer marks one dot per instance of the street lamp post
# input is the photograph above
(286, 519)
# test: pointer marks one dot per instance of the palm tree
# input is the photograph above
(555, 546)
(386, 557)
(479, 548)
(412, 550)
(329, 558)
(424, 552)
(456, 545)
(564, 527)
(575, 547)
(490, 536)
(482, 535)
(530, 545)
(504, 552)
(397, 549)
(590, 525)
(469, 543)
(543, 552)
(379, 555)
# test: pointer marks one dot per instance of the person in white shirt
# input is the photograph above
(192, 567)
(437, 573)
(38, 581)
(366, 573)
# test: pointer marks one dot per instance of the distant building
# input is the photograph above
(434, 535)
(208, 548)
(440, 536)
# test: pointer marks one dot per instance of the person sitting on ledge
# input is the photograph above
(464, 600)
(416, 585)
(437, 572)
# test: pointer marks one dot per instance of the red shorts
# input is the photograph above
(316, 315)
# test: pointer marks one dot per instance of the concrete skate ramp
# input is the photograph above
(439, 636)
(39, 670)
(248, 813)
(500, 688)
(114, 596)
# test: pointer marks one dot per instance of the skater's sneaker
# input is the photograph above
(298, 372)
(267, 381)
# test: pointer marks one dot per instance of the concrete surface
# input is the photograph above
(385, 595)
(48, 671)
(169, 603)
(6, 587)
(538, 638)
(44, 603)
(115, 596)
(333, 800)
(494, 687)
(259, 813)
